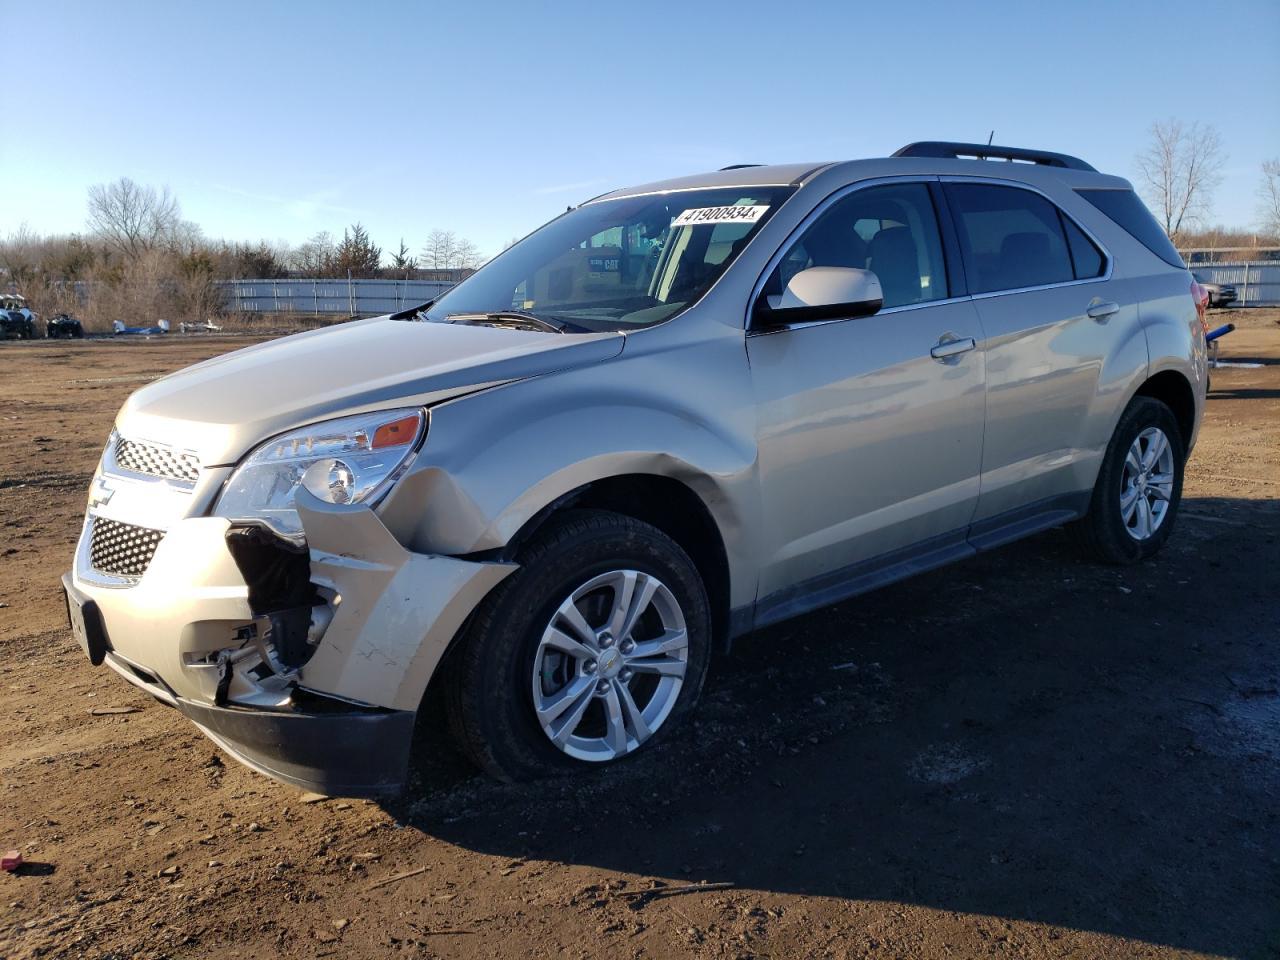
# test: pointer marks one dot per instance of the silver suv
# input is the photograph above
(676, 413)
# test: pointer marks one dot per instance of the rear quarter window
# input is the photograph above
(1085, 257)
(1129, 213)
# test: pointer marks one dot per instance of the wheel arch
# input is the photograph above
(1174, 390)
(664, 502)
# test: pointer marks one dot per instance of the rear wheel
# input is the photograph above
(595, 646)
(1139, 487)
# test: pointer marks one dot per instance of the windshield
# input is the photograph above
(618, 264)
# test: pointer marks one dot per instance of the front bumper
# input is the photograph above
(188, 633)
(346, 753)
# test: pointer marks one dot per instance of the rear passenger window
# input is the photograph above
(890, 230)
(1010, 238)
(1085, 257)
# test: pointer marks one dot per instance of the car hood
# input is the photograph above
(223, 407)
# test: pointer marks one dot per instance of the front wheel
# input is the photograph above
(583, 656)
(1139, 488)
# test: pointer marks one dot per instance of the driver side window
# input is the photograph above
(890, 230)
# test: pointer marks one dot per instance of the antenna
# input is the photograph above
(990, 138)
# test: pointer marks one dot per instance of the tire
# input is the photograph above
(1127, 491)
(505, 669)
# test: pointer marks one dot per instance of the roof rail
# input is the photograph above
(985, 151)
(741, 166)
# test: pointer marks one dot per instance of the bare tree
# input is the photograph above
(19, 256)
(1180, 169)
(184, 238)
(1269, 197)
(262, 259)
(467, 256)
(445, 250)
(441, 250)
(314, 257)
(132, 218)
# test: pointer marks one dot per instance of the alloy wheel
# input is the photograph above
(610, 665)
(1146, 485)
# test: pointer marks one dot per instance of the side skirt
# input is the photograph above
(859, 578)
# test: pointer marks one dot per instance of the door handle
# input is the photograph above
(952, 348)
(1102, 311)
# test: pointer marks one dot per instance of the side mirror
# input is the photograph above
(822, 293)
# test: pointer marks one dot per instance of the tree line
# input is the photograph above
(138, 260)
(1178, 172)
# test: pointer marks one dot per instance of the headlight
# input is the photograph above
(352, 460)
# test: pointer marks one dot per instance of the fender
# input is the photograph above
(1175, 339)
(1124, 370)
(493, 460)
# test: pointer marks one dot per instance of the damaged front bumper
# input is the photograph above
(307, 665)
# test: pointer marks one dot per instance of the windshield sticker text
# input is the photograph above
(701, 215)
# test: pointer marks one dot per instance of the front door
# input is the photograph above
(870, 446)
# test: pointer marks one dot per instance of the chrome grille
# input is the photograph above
(121, 549)
(156, 461)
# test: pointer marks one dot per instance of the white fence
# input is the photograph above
(351, 298)
(1257, 282)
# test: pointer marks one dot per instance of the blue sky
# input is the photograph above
(272, 120)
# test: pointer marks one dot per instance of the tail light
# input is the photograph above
(1201, 296)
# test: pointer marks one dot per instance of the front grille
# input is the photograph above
(156, 461)
(121, 549)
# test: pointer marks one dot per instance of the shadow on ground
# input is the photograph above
(1019, 736)
(1244, 393)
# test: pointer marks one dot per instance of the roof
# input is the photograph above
(796, 173)
(763, 175)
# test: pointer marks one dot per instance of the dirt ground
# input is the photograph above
(1018, 756)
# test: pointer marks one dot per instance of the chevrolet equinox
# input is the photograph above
(676, 413)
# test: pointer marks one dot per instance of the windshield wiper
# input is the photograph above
(413, 312)
(517, 317)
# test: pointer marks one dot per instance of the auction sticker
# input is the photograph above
(701, 215)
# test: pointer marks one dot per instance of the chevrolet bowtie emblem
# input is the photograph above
(99, 493)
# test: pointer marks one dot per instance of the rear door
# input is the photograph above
(1052, 319)
(869, 446)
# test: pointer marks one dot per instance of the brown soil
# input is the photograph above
(1020, 755)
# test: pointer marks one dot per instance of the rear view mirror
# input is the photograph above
(822, 293)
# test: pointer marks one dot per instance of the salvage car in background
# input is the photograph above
(199, 326)
(16, 318)
(1219, 294)
(118, 329)
(674, 414)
